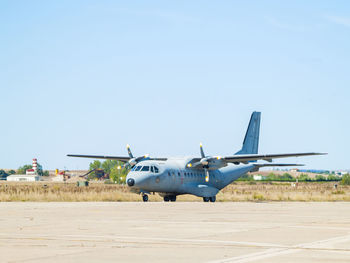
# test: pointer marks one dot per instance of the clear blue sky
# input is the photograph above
(91, 76)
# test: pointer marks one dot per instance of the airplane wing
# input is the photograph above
(119, 158)
(245, 158)
(123, 159)
(217, 162)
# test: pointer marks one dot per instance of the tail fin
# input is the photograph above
(251, 139)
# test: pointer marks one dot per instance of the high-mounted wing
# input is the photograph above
(245, 158)
(216, 162)
(119, 158)
(129, 161)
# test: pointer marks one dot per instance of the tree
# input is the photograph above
(109, 164)
(320, 178)
(246, 177)
(287, 177)
(304, 177)
(24, 168)
(117, 175)
(40, 169)
(333, 178)
(114, 174)
(94, 165)
(271, 177)
(11, 172)
(3, 174)
(345, 179)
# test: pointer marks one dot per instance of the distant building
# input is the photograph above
(341, 173)
(30, 176)
(258, 177)
(23, 178)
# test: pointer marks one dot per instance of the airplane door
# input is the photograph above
(173, 175)
(182, 176)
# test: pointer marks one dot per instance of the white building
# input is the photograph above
(258, 177)
(30, 176)
(23, 178)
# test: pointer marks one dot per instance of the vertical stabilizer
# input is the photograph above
(251, 139)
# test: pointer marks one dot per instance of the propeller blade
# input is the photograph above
(206, 171)
(129, 151)
(201, 149)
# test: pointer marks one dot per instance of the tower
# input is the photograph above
(35, 165)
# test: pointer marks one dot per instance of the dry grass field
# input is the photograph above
(239, 191)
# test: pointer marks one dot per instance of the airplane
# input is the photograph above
(202, 176)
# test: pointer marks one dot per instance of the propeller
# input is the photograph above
(204, 162)
(133, 160)
(214, 162)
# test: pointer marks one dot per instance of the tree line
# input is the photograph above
(286, 177)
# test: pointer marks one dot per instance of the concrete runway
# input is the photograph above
(175, 232)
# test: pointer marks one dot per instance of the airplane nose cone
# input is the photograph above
(130, 182)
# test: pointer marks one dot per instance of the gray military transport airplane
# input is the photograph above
(202, 176)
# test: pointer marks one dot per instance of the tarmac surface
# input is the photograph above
(175, 232)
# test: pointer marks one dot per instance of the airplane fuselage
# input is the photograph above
(172, 177)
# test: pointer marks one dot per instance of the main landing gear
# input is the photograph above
(171, 198)
(145, 198)
(211, 199)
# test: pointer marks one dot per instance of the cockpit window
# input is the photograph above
(152, 169)
(156, 170)
(137, 168)
(145, 169)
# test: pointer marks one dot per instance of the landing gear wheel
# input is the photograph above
(206, 199)
(173, 198)
(212, 199)
(166, 198)
(145, 198)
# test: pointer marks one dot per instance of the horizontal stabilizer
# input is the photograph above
(276, 164)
